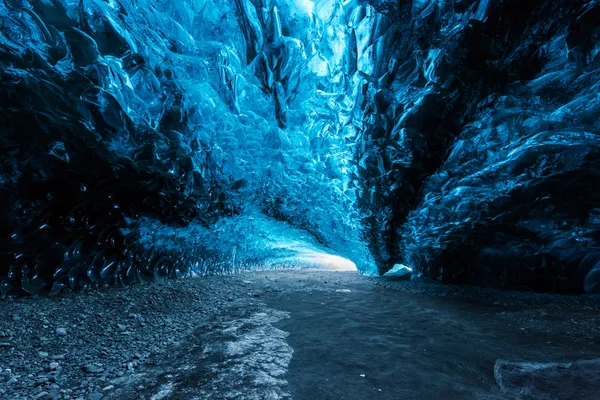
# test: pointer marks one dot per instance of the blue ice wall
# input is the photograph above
(131, 128)
(141, 138)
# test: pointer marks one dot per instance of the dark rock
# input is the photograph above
(92, 369)
(41, 381)
(42, 396)
(522, 380)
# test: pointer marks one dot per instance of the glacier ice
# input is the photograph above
(482, 165)
(140, 137)
(130, 129)
(399, 271)
(532, 380)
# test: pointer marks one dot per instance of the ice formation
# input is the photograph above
(141, 138)
(135, 132)
(486, 150)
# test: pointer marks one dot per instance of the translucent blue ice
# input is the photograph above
(140, 138)
(190, 112)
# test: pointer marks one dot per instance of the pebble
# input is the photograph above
(116, 351)
(41, 381)
(92, 369)
(53, 365)
(41, 395)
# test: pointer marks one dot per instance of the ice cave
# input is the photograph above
(252, 199)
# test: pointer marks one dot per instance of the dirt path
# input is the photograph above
(306, 335)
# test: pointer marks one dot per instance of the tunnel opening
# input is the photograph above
(154, 139)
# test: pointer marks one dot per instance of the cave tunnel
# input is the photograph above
(447, 146)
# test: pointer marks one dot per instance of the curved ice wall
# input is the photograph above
(457, 137)
(130, 127)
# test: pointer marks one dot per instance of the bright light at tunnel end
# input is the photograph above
(329, 261)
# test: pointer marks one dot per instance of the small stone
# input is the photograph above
(12, 380)
(92, 369)
(95, 396)
(42, 354)
(53, 365)
(41, 395)
(121, 327)
(41, 381)
(61, 331)
(16, 317)
(107, 388)
(5, 344)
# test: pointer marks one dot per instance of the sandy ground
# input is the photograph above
(301, 334)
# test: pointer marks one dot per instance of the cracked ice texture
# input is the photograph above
(480, 160)
(129, 128)
(459, 138)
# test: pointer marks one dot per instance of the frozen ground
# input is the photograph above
(301, 334)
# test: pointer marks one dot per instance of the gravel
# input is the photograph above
(82, 345)
(86, 345)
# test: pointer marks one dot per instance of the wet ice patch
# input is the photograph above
(239, 355)
(251, 363)
(531, 380)
(165, 391)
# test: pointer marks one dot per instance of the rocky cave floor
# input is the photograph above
(302, 334)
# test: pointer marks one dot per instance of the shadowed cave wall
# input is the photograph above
(459, 138)
(486, 126)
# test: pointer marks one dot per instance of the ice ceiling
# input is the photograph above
(146, 139)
